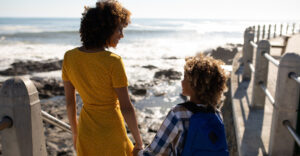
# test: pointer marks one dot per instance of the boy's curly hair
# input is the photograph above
(99, 24)
(207, 78)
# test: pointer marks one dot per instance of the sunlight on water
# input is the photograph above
(161, 43)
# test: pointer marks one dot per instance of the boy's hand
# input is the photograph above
(135, 152)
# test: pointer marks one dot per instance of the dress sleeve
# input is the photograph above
(64, 70)
(119, 78)
(163, 138)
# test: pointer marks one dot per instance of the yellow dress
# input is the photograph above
(101, 129)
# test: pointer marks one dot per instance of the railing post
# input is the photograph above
(19, 100)
(293, 30)
(269, 31)
(286, 106)
(254, 31)
(258, 34)
(263, 32)
(261, 75)
(287, 28)
(281, 27)
(274, 31)
(285, 42)
(247, 52)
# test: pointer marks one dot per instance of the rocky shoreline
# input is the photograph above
(51, 93)
(50, 87)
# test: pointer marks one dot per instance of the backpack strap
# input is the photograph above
(196, 109)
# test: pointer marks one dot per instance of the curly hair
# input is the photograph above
(99, 24)
(207, 78)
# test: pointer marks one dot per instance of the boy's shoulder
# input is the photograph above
(181, 112)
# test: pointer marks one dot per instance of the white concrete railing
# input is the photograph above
(286, 99)
(21, 125)
(292, 131)
(260, 35)
(56, 122)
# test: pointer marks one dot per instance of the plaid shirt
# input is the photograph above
(169, 140)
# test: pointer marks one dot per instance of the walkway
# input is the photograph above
(253, 126)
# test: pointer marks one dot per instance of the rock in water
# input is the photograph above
(169, 74)
(138, 90)
(149, 67)
(225, 53)
(22, 68)
(48, 87)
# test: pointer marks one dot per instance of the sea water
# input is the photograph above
(145, 42)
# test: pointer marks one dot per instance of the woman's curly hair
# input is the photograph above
(207, 78)
(99, 24)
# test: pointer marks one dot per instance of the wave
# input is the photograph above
(39, 34)
(57, 34)
(19, 28)
(66, 34)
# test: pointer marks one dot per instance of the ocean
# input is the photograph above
(145, 42)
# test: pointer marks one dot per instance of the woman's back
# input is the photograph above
(94, 75)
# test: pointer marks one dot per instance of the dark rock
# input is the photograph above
(169, 74)
(225, 53)
(48, 87)
(138, 90)
(51, 126)
(62, 153)
(171, 58)
(151, 130)
(234, 44)
(22, 68)
(149, 67)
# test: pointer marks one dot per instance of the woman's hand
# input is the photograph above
(136, 149)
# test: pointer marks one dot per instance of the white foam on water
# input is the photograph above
(146, 42)
(36, 52)
(12, 29)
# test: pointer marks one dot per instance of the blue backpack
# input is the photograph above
(206, 133)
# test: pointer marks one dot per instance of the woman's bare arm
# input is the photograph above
(129, 115)
(71, 108)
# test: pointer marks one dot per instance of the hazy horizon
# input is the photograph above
(172, 18)
(155, 9)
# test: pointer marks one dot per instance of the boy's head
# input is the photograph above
(205, 79)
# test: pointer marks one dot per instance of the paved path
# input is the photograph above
(253, 126)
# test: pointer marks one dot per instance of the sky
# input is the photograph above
(188, 9)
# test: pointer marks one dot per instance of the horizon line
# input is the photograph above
(250, 19)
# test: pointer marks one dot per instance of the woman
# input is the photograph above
(99, 77)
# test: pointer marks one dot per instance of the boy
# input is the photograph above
(204, 82)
